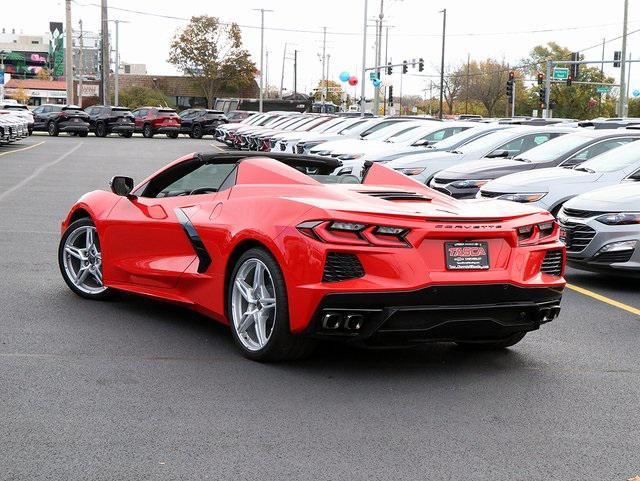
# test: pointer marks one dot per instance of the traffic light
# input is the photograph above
(510, 84)
(389, 69)
(420, 65)
(617, 56)
(390, 94)
(569, 79)
(575, 67)
(543, 96)
(405, 67)
(540, 78)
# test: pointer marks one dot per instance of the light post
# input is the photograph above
(261, 10)
(364, 58)
(116, 80)
(444, 29)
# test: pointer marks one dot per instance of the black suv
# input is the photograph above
(54, 119)
(199, 122)
(105, 120)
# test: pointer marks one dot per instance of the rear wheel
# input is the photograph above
(259, 310)
(147, 131)
(172, 135)
(126, 135)
(493, 345)
(83, 134)
(197, 131)
(80, 260)
(101, 130)
(53, 130)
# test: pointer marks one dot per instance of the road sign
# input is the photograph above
(636, 93)
(373, 75)
(560, 73)
(603, 90)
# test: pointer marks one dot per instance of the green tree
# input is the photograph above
(134, 97)
(212, 54)
(487, 85)
(634, 107)
(575, 101)
(335, 92)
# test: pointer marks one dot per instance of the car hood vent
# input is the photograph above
(397, 195)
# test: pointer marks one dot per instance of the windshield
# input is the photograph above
(413, 134)
(613, 160)
(357, 127)
(554, 148)
(486, 143)
(331, 126)
(462, 138)
(391, 130)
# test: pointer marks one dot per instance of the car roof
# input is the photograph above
(289, 159)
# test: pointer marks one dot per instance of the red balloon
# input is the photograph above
(353, 80)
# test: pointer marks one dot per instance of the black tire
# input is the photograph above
(493, 345)
(104, 295)
(126, 135)
(83, 134)
(190, 134)
(101, 129)
(53, 129)
(172, 135)
(198, 132)
(73, 134)
(281, 345)
(147, 131)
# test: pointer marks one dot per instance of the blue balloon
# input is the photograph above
(636, 93)
(377, 82)
(344, 76)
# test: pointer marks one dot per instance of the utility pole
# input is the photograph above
(261, 10)
(376, 56)
(68, 54)
(466, 96)
(295, 74)
(386, 61)
(364, 59)
(601, 73)
(104, 21)
(622, 108)
(284, 59)
(430, 97)
(81, 64)
(444, 30)
(326, 84)
(266, 72)
(547, 91)
(628, 82)
(323, 92)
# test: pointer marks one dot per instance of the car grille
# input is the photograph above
(552, 263)
(395, 195)
(299, 149)
(490, 195)
(580, 214)
(579, 236)
(341, 267)
(613, 257)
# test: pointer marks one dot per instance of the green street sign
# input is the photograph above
(373, 75)
(560, 73)
(603, 90)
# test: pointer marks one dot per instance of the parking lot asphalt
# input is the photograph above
(137, 389)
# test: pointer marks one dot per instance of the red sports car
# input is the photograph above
(286, 254)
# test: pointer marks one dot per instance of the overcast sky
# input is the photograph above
(490, 28)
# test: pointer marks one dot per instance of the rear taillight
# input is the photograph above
(538, 233)
(354, 233)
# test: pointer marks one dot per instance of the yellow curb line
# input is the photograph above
(604, 299)
(24, 148)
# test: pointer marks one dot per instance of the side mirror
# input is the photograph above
(121, 185)
(498, 153)
(422, 143)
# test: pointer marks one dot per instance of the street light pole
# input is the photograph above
(622, 109)
(68, 54)
(116, 84)
(444, 30)
(104, 29)
(80, 64)
(364, 59)
(261, 10)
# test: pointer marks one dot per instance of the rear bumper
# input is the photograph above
(77, 127)
(434, 314)
(121, 129)
(166, 130)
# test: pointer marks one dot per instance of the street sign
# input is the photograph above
(636, 93)
(373, 75)
(603, 90)
(560, 73)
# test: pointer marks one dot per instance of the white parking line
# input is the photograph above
(20, 150)
(37, 172)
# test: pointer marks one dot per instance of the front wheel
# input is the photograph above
(53, 130)
(126, 135)
(80, 260)
(101, 130)
(259, 311)
(172, 135)
(197, 131)
(493, 345)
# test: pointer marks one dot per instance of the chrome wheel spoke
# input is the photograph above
(244, 289)
(97, 274)
(83, 273)
(261, 329)
(268, 302)
(258, 276)
(89, 238)
(75, 252)
(248, 318)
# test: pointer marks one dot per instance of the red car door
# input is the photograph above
(149, 240)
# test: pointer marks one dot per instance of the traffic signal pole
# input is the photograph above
(547, 91)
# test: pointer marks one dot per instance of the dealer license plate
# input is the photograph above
(467, 255)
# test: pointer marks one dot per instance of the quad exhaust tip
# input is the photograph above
(348, 321)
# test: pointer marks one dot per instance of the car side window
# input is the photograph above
(442, 134)
(188, 176)
(38, 110)
(597, 149)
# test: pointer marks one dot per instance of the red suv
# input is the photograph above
(157, 120)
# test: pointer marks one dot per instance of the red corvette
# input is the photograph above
(286, 254)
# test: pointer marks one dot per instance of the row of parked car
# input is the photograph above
(18, 121)
(587, 176)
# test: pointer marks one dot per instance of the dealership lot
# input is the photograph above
(139, 389)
